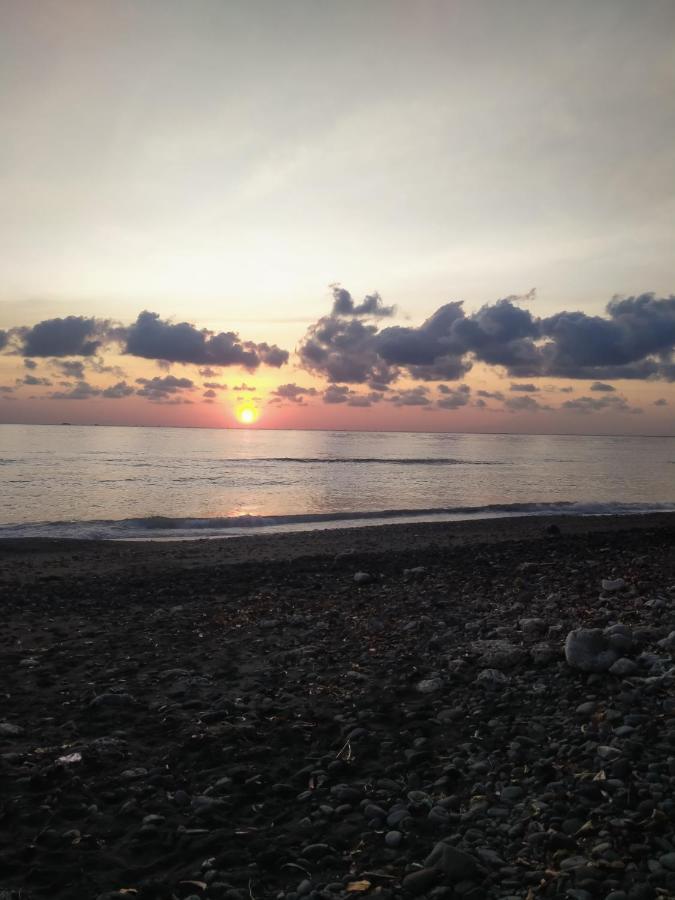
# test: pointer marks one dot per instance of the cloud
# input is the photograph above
(416, 396)
(293, 393)
(491, 395)
(209, 372)
(6, 389)
(73, 368)
(588, 405)
(210, 394)
(602, 387)
(118, 391)
(4, 338)
(371, 305)
(72, 336)
(336, 393)
(244, 387)
(216, 386)
(161, 389)
(634, 340)
(30, 364)
(152, 338)
(525, 388)
(34, 381)
(525, 404)
(81, 391)
(453, 398)
(661, 402)
(341, 393)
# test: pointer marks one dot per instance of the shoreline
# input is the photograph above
(48, 558)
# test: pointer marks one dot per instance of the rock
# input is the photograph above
(668, 861)
(454, 863)
(429, 685)
(492, 678)
(589, 650)
(623, 667)
(393, 839)
(7, 729)
(532, 626)
(420, 881)
(498, 654)
(668, 643)
(542, 654)
(112, 700)
(613, 584)
(362, 577)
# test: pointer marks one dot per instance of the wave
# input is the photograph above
(367, 460)
(170, 528)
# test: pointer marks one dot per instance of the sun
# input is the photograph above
(247, 415)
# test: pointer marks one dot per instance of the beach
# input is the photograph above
(379, 710)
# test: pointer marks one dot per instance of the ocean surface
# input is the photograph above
(99, 482)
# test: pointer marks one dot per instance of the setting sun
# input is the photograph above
(247, 415)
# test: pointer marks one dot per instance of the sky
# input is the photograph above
(429, 215)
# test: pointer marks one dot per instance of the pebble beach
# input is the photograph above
(474, 710)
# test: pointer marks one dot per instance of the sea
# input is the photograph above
(181, 483)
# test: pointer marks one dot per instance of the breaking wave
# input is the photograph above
(170, 528)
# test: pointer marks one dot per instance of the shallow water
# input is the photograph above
(86, 481)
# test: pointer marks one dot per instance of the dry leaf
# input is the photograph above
(358, 886)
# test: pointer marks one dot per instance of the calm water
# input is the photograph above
(159, 482)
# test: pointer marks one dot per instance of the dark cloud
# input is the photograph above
(81, 391)
(244, 387)
(4, 338)
(361, 400)
(293, 393)
(597, 404)
(336, 393)
(34, 381)
(480, 403)
(152, 338)
(602, 387)
(216, 386)
(72, 336)
(210, 394)
(416, 396)
(661, 402)
(30, 364)
(371, 305)
(491, 395)
(453, 398)
(73, 368)
(6, 389)
(525, 404)
(209, 372)
(634, 340)
(525, 388)
(118, 391)
(162, 389)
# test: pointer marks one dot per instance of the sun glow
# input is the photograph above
(247, 415)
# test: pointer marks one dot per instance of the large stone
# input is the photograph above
(454, 863)
(589, 650)
(498, 654)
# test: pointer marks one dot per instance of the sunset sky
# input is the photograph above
(399, 214)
